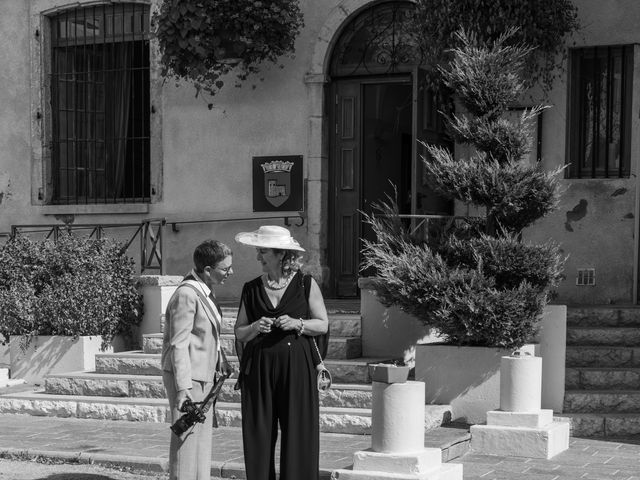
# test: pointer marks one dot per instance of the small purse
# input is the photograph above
(323, 380)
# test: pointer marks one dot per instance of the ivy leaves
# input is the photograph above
(541, 24)
(203, 41)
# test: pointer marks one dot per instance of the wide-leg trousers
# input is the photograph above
(189, 454)
(280, 388)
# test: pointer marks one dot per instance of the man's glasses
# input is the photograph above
(225, 270)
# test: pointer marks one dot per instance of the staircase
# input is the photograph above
(128, 385)
(602, 395)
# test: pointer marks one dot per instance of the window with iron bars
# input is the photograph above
(100, 100)
(600, 112)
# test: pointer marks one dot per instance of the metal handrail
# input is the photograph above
(425, 218)
(175, 228)
(150, 240)
(149, 230)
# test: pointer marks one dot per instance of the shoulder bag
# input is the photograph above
(323, 380)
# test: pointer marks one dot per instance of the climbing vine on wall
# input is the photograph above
(542, 24)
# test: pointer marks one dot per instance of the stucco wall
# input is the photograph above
(206, 154)
(596, 218)
(15, 179)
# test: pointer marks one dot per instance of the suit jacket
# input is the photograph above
(191, 337)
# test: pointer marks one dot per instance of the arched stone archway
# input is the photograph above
(367, 60)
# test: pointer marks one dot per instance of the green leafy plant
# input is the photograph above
(541, 24)
(72, 287)
(476, 282)
(202, 41)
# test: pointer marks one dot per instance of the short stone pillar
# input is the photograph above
(156, 291)
(397, 439)
(521, 428)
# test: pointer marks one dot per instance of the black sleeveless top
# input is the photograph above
(293, 303)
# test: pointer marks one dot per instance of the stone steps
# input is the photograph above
(602, 401)
(604, 336)
(588, 378)
(603, 316)
(150, 386)
(140, 363)
(602, 356)
(340, 324)
(602, 376)
(332, 419)
(604, 424)
(339, 347)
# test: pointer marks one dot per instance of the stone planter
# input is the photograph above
(156, 291)
(467, 378)
(53, 354)
(388, 373)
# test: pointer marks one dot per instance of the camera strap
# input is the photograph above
(216, 320)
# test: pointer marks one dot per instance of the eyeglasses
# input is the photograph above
(225, 270)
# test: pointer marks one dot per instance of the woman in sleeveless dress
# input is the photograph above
(280, 311)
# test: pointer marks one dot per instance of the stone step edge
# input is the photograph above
(614, 328)
(599, 425)
(40, 395)
(158, 402)
(82, 375)
(332, 419)
(601, 391)
(359, 361)
(605, 369)
(602, 347)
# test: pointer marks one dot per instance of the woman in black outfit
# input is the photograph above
(279, 313)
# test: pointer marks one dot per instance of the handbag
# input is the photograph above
(323, 380)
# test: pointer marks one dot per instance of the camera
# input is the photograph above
(193, 414)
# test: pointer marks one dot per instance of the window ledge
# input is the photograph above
(95, 209)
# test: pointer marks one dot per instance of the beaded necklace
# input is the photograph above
(272, 285)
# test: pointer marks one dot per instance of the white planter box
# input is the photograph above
(467, 378)
(53, 354)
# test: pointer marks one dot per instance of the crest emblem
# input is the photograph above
(277, 181)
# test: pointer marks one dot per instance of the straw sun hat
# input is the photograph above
(269, 236)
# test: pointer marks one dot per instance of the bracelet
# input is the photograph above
(300, 329)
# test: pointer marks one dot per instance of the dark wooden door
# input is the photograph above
(371, 158)
(345, 188)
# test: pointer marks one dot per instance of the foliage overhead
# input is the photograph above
(202, 41)
(71, 287)
(542, 24)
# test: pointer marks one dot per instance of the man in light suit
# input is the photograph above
(190, 356)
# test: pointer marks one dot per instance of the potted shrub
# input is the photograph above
(477, 283)
(75, 293)
(204, 41)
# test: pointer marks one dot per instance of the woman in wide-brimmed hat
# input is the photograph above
(279, 312)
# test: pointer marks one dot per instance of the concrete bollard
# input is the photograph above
(397, 439)
(521, 428)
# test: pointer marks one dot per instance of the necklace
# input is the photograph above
(273, 285)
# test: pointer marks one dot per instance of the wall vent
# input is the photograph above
(586, 276)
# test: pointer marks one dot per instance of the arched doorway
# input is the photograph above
(379, 108)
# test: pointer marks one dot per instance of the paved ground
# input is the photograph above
(143, 447)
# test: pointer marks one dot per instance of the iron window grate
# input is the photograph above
(100, 97)
(600, 111)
